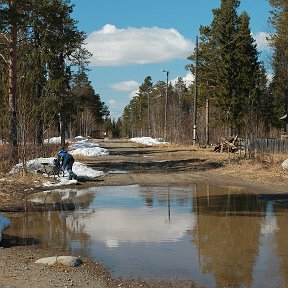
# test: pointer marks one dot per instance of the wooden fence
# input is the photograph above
(268, 145)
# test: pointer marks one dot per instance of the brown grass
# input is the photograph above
(263, 167)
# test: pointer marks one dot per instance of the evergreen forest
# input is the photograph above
(232, 92)
(44, 85)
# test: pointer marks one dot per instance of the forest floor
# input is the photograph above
(163, 165)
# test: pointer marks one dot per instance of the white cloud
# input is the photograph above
(112, 102)
(125, 86)
(116, 107)
(261, 40)
(269, 77)
(133, 94)
(187, 79)
(112, 46)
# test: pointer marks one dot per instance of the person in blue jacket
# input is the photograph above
(67, 161)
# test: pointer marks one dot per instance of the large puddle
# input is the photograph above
(214, 236)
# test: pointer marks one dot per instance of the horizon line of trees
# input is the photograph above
(45, 90)
(234, 94)
(44, 87)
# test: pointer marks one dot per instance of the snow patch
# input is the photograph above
(148, 141)
(4, 224)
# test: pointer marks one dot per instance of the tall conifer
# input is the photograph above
(228, 63)
(279, 44)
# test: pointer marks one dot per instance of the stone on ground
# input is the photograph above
(64, 260)
(285, 164)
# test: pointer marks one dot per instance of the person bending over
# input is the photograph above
(67, 161)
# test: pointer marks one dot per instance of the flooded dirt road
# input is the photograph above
(208, 221)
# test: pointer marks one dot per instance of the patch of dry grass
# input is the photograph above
(19, 182)
(264, 167)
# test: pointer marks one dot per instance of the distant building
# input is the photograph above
(285, 134)
(97, 134)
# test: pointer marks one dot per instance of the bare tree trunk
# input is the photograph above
(12, 89)
(40, 123)
(62, 129)
(40, 133)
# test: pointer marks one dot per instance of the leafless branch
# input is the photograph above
(4, 59)
(4, 36)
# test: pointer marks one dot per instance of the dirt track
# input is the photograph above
(157, 166)
(183, 165)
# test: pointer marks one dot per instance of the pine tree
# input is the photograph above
(249, 83)
(279, 43)
(229, 70)
(11, 16)
(42, 43)
(84, 103)
(145, 96)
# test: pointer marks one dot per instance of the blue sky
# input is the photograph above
(133, 39)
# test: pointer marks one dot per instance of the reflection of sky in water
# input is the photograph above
(270, 224)
(268, 263)
(136, 236)
(136, 225)
(215, 236)
(123, 217)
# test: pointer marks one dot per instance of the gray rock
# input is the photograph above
(64, 260)
(285, 164)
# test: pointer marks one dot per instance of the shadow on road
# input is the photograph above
(170, 165)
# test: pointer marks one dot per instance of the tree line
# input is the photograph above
(45, 90)
(44, 87)
(234, 94)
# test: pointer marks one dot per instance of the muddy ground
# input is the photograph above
(148, 166)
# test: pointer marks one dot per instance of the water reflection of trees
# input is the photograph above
(56, 228)
(228, 227)
(281, 237)
(227, 234)
(160, 196)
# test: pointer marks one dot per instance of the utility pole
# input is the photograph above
(12, 81)
(149, 120)
(195, 93)
(166, 103)
(207, 122)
